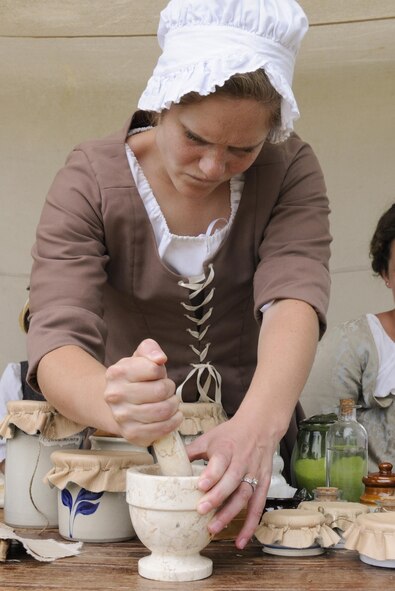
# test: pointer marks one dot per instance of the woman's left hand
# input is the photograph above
(234, 451)
(244, 445)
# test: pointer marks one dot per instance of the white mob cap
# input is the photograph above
(205, 42)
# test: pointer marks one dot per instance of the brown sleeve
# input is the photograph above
(294, 253)
(69, 267)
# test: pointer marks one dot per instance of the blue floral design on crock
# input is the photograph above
(83, 504)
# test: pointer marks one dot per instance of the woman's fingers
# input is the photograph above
(255, 509)
(230, 489)
(140, 395)
(244, 494)
(152, 412)
(233, 456)
(152, 351)
(139, 392)
(135, 370)
(241, 494)
(145, 434)
(221, 480)
(234, 504)
(139, 379)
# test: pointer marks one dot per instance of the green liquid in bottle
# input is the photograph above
(310, 473)
(346, 467)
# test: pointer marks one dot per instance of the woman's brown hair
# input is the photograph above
(383, 237)
(251, 85)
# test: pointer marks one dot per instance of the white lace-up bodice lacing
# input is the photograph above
(204, 371)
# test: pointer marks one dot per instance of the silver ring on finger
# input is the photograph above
(253, 482)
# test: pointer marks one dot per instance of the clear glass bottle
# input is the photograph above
(308, 461)
(347, 453)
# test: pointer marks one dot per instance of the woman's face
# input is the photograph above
(204, 144)
(390, 276)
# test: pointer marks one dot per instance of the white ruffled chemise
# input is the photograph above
(385, 383)
(184, 254)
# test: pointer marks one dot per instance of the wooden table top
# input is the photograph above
(114, 566)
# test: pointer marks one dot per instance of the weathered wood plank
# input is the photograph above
(114, 566)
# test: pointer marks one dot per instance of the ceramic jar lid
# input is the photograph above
(36, 416)
(94, 470)
(321, 419)
(373, 535)
(340, 514)
(295, 529)
(384, 478)
(379, 485)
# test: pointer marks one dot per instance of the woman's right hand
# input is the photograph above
(141, 396)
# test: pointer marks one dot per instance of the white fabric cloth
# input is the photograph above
(10, 389)
(205, 42)
(385, 383)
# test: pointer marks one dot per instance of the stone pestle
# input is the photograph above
(172, 456)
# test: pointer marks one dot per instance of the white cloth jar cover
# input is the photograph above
(295, 529)
(338, 514)
(373, 535)
(200, 417)
(35, 417)
(33, 430)
(95, 470)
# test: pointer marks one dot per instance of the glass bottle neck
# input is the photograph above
(348, 415)
(347, 410)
